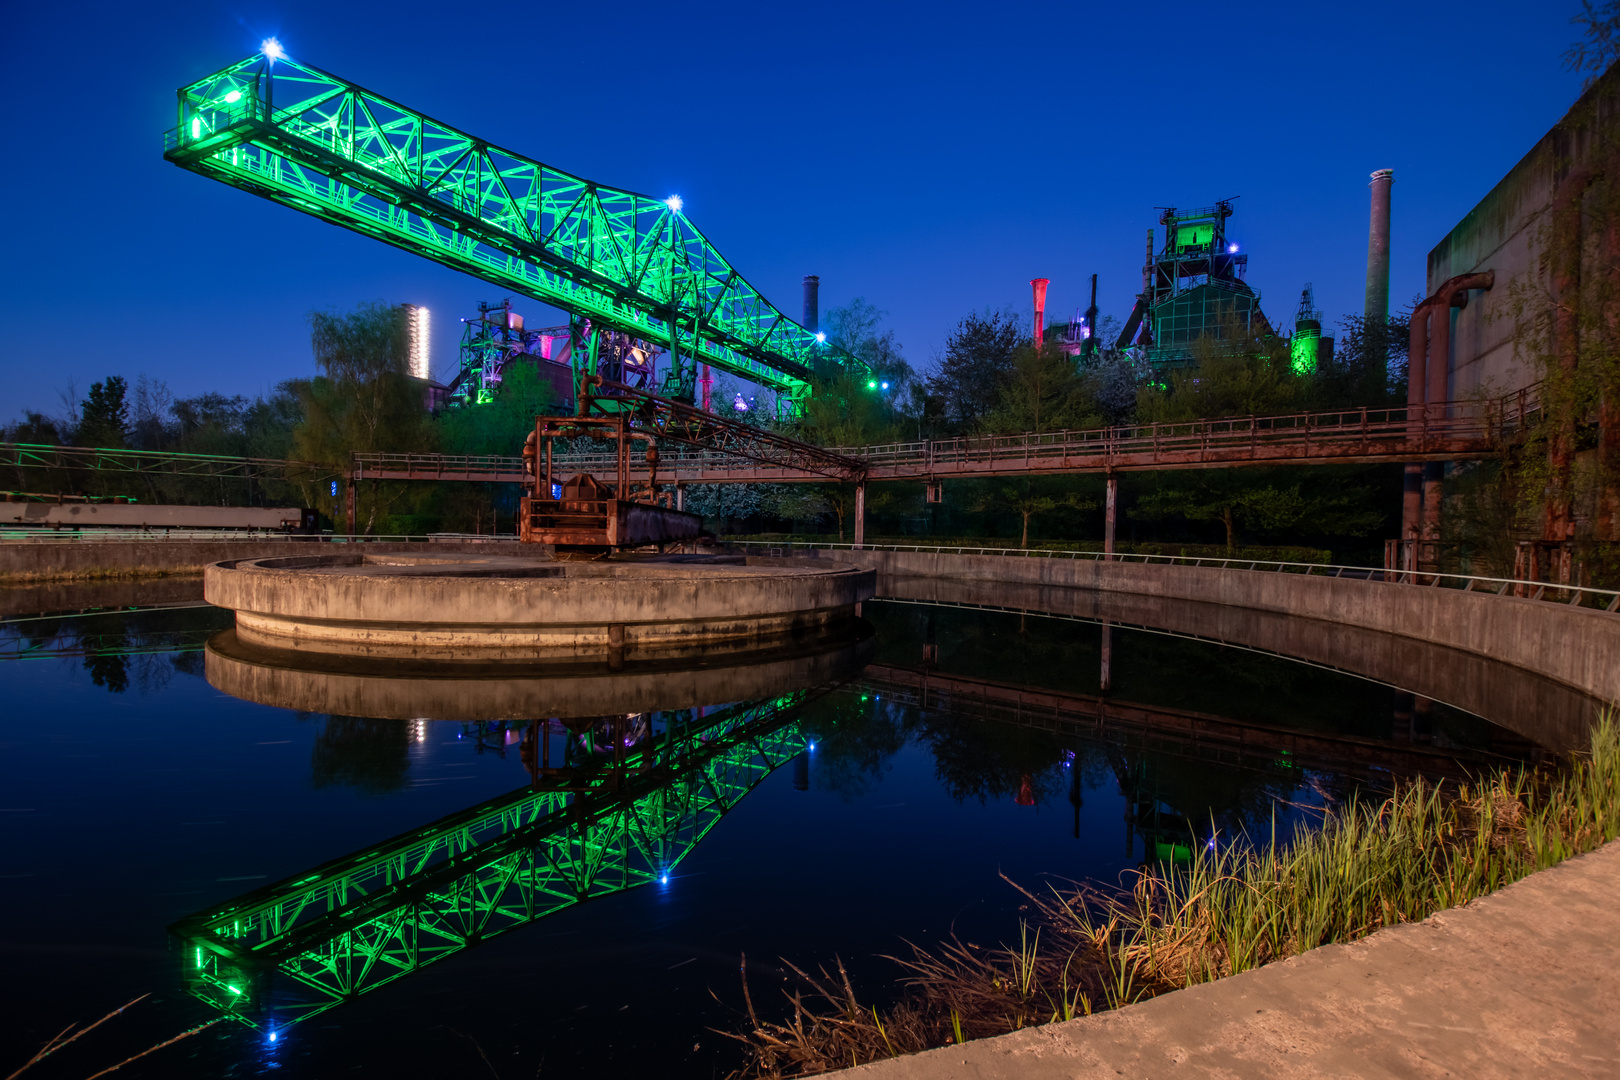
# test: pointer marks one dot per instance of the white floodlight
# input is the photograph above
(821, 338)
(272, 49)
(674, 203)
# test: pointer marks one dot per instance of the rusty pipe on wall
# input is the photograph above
(1427, 374)
(1557, 517)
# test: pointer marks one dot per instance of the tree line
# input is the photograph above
(988, 378)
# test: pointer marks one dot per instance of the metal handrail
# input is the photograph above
(200, 536)
(1466, 582)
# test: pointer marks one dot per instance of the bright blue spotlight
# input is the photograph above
(272, 1036)
(272, 49)
(885, 386)
(664, 880)
(821, 338)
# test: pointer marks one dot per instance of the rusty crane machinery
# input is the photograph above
(605, 510)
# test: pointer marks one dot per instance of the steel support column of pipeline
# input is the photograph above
(349, 497)
(1105, 677)
(1110, 501)
(860, 514)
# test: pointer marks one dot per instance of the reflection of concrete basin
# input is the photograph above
(489, 606)
(1539, 709)
(400, 687)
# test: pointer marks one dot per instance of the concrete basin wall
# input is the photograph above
(1579, 647)
(381, 610)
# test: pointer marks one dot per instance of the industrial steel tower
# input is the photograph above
(1192, 288)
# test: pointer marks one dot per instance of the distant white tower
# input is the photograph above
(419, 328)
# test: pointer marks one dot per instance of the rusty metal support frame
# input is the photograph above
(691, 426)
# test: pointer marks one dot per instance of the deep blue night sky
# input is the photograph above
(929, 157)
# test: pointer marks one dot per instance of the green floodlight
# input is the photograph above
(871, 384)
(233, 97)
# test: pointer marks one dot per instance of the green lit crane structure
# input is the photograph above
(618, 262)
(612, 817)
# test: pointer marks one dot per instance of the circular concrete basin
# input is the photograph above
(491, 606)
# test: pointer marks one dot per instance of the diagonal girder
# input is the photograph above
(327, 147)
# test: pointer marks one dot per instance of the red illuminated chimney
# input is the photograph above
(1039, 285)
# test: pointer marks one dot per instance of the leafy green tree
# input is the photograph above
(1043, 390)
(34, 428)
(1368, 365)
(502, 425)
(104, 414)
(1243, 499)
(977, 357)
(1244, 373)
(1029, 501)
(363, 399)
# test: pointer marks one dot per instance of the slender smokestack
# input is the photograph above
(1092, 344)
(1376, 308)
(1039, 285)
(812, 303)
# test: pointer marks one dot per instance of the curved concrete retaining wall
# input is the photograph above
(395, 605)
(69, 560)
(1579, 647)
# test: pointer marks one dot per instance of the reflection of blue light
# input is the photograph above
(272, 1036)
(812, 746)
(664, 880)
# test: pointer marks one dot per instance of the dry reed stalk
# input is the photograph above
(1235, 907)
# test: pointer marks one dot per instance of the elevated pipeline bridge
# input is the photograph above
(1451, 431)
(617, 817)
(613, 259)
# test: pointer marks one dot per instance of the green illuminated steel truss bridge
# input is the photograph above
(626, 818)
(628, 262)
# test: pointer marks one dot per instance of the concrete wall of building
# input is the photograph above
(1506, 232)
(1579, 647)
(149, 516)
(69, 560)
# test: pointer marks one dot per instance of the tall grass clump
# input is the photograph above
(1236, 906)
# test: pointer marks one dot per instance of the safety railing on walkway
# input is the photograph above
(1572, 595)
(202, 536)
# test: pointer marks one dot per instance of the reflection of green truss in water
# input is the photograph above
(294, 949)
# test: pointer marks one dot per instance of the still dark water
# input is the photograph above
(967, 745)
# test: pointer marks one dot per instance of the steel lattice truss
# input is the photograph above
(324, 146)
(159, 462)
(289, 951)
